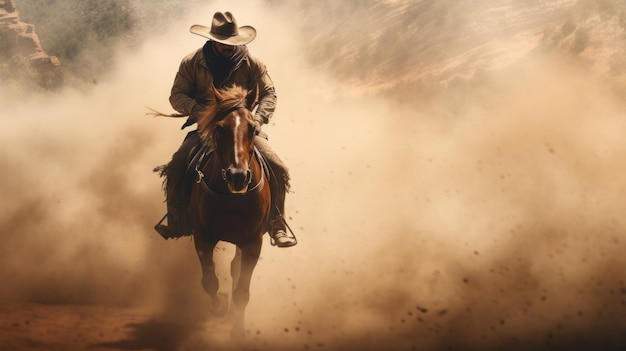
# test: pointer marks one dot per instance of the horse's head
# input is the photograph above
(233, 137)
(231, 130)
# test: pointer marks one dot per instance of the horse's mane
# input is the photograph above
(220, 100)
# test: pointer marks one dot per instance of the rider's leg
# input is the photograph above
(175, 172)
(278, 229)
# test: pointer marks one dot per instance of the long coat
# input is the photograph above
(193, 79)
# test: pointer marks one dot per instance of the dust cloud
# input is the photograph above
(478, 208)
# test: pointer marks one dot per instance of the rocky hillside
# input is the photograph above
(383, 44)
(86, 34)
(21, 51)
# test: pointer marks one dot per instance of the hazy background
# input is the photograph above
(457, 167)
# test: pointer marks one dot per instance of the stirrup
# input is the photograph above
(276, 235)
(166, 231)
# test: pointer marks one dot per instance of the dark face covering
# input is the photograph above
(224, 50)
(221, 59)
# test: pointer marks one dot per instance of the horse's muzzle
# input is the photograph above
(238, 179)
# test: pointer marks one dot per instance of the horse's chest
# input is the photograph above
(233, 216)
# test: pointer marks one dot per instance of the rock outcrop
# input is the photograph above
(406, 43)
(18, 41)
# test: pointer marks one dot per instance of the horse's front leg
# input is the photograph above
(210, 283)
(241, 295)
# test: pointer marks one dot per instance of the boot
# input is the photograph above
(173, 228)
(177, 225)
(279, 234)
(169, 231)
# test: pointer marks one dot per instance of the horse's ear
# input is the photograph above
(252, 97)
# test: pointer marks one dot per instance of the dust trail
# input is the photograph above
(486, 216)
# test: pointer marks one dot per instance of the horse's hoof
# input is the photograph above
(219, 305)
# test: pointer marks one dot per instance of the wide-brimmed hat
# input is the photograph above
(224, 30)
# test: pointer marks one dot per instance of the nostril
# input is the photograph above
(229, 175)
(236, 176)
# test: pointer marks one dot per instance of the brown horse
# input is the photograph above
(230, 201)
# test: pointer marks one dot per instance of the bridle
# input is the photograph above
(205, 151)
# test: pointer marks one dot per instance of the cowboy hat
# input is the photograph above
(224, 30)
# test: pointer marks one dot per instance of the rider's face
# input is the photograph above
(223, 49)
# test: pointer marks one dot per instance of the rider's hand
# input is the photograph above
(197, 111)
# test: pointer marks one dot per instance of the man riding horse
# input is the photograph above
(223, 61)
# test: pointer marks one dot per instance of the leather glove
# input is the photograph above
(196, 111)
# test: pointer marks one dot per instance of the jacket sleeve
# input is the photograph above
(267, 93)
(181, 97)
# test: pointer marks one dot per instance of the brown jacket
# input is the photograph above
(192, 82)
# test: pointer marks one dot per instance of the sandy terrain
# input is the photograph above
(70, 327)
(473, 202)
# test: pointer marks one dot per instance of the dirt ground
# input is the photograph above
(488, 215)
(101, 328)
(69, 327)
(97, 328)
